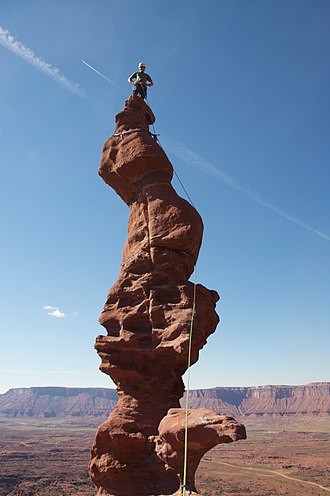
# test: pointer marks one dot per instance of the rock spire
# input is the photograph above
(147, 317)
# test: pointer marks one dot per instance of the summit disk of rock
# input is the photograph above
(147, 316)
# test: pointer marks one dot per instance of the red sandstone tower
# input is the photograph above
(147, 318)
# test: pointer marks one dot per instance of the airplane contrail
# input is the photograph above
(102, 75)
(9, 42)
(193, 159)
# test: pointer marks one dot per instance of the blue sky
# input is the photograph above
(241, 98)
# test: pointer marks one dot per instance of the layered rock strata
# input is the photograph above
(309, 400)
(148, 312)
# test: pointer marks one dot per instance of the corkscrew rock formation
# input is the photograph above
(147, 314)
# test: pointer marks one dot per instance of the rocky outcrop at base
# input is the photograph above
(206, 430)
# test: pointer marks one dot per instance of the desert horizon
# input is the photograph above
(46, 451)
(282, 455)
(113, 387)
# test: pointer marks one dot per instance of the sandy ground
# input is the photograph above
(280, 457)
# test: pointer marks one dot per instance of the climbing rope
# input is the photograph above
(155, 135)
(184, 485)
(184, 189)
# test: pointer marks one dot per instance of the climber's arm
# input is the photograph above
(131, 78)
(150, 81)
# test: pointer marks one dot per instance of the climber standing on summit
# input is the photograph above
(140, 80)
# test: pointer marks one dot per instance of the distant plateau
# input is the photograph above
(79, 403)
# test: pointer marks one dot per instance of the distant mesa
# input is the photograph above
(96, 403)
(57, 402)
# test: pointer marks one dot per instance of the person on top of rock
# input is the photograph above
(140, 80)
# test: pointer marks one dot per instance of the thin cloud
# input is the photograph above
(193, 159)
(102, 75)
(54, 311)
(30, 57)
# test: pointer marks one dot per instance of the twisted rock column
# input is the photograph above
(148, 312)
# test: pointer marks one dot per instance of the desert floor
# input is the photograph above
(282, 456)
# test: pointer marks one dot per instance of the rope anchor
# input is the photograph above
(185, 487)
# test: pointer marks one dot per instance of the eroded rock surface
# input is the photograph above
(148, 311)
(206, 429)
